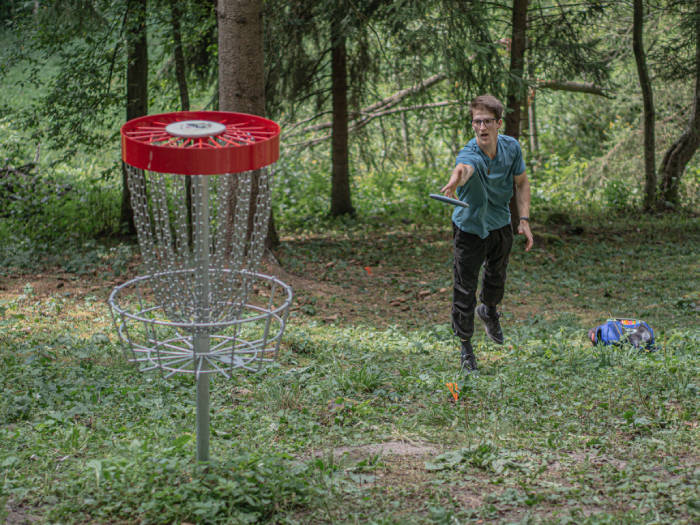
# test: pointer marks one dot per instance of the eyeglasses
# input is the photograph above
(486, 122)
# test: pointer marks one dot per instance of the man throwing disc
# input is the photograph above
(483, 177)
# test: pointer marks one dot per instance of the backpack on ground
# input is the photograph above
(618, 331)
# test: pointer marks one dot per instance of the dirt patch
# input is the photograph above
(393, 448)
(469, 496)
(380, 279)
(18, 515)
(358, 296)
(387, 448)
(577, 458)
(51, 282)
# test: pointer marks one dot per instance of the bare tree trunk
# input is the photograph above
(532, 123)
(648, 99)
(180, 71)
(242, 72)
(340, 181)
(683, 149)
(181, 77)
(136, 86)
(516, 89)
(406, 139)
(241, 58)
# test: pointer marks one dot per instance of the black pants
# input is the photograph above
(470, 253)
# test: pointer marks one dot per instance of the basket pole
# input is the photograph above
(201, 336)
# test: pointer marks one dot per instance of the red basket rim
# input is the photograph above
(249, 142)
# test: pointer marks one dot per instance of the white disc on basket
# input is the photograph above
(195, 128)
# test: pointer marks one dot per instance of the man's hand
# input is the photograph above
(460, 175)
(524, 229)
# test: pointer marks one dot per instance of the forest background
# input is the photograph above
(372, 97)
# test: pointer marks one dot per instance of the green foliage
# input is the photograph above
(302, 190)
(578, 125)
(168, 488)
(617, 195)
(50, 208)
(561, 183)
(578, 51)
(123, 443)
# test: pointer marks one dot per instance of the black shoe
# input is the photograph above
(468, 360)
(493, 326)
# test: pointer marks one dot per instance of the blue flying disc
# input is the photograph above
(449, 200)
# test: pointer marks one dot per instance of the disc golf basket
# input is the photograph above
(199, 185)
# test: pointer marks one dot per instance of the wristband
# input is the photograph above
(525, 219)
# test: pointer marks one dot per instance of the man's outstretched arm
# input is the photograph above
(460, 175)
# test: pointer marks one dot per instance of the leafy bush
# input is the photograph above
(561, 183)
(165, 488)
(618, 196)
(48, 206)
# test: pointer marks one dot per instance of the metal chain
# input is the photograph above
(160, 205)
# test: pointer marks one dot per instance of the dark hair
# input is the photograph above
(489, 103)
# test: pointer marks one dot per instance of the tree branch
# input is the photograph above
(367, 117)
(578, 87)
(383, 104)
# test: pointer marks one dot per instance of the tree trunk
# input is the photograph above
(683, 149)
(405, 134)
(340, 181)
(648, 99)
(242, 72)
(532, 124)
(241, 58)
(181, 77)
(516, 88)
(180, 71)
(136, 87)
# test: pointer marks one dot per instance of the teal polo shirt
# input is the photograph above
(490, 188)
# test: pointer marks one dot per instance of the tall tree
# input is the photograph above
(648, 100)
(242, 72)
(341, 203)
(516, 85)
(181, 78)
(517, 88)
(557, 39)
(179, 56)
(136, 85)
(241, 56)
(682, 150)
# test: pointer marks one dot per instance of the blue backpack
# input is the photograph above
(618, 331)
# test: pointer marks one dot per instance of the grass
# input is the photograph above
(552, 430)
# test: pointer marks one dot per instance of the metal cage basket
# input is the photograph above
(247, 341)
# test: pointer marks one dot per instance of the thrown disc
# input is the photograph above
(449, 200)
